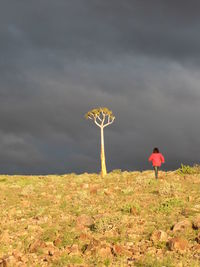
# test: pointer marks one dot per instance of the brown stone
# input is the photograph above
(83, 221)
(179, 264)
(5, 237)
(8, 260)
(134, 211)
(121, 250)
(182, 225)
(67, 249)
(107, 192)
(196, 248)
(50, 249)
(11, 261)
(196, 223)
(95, 242)
(17, 255)
(159, 236)
(88, 249)
(118, 250)
(35, 245)
(93, 190)
(151, 250)
(198, 238)
(84, 236)
(74, 249)
(57, 242)
(3, 263)
(178, 244)
(85, 186)
(105, 252)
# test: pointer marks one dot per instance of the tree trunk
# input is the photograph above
(103, 160)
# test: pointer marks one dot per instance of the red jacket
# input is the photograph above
(157, 159)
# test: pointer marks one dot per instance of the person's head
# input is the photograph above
(155, 150)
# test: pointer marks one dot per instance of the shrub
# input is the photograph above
(107, 262)
(128, 208)
(49, 234)
(152, 262)
(169, 204)
(68, 260)
(105, 224)
(127, 191)
(117, 171)
(186, 169)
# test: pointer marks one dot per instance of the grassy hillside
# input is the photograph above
(125, 219)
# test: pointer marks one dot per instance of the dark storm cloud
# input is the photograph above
(58, 59)
(99, 28)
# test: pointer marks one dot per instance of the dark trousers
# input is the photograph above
(156, 171)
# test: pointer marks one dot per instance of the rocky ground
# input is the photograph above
(125, 219)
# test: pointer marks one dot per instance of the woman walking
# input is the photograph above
(157, 159)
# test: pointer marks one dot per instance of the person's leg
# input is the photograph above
(156, 171)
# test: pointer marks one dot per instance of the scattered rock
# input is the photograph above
(117, 250)
(17, 255)
(131, 260)
(179, 264)
(105, 252)
(11, 261)
(83, 221)
(94, 243)
(151, 250)
(84, 236)
(5, 237)
(134, 211)
(93, 190)
(67, 250)
(57, 242)
(197, 207)
(196, 248)
(182, 225)
(89, 249)
(198, 237)
(3, 263)
(85, 186)
(185, 212)
(74, 249)
(108, 192)
(159, 236)
(35, 245)
(196, 223)
(50, 249)
(178, 244)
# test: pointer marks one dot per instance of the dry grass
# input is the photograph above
(84, 220)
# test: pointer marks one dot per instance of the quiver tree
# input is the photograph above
(102, 117)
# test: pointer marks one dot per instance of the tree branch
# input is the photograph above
(95, 120)
(104, 117)
(98, 117)
(109, 122)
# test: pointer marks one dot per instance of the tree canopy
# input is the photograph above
(102, 116)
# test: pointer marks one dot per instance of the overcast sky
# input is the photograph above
(59, 59)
